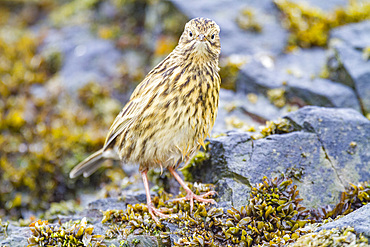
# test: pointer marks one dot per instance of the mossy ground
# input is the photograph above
(274, 216)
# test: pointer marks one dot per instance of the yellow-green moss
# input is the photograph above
(310, 26)
(3, 227)
(229, 70)
(234, 122)
(279, 127)
(354, 197)
(332, 237)
(246, 20)
(274, 216)
(325, 72)
(68, 234)
(366, 53)
(200, 157)
(277, 97)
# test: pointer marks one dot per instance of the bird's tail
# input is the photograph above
(88, 166)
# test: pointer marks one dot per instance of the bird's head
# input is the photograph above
(201, 36)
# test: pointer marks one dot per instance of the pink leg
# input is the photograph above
(190, 194)
(152, 210)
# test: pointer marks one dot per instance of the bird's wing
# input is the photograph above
(139, 100)
(131, 112)
(122, 122)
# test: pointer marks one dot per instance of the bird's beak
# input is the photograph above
(201, 37)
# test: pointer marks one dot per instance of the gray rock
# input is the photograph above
(322, 92)
(349, 67)
(108, 203)
(15, 237)
(344, 136)
(359, 220)
(232, 192)
(302, 63)
(86, 58)
(356, 35)
(256, 78)
(320, 146)
(234, 40)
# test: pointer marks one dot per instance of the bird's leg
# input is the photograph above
(190, 194)
(152, 210)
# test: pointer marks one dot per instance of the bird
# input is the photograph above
(169, 114)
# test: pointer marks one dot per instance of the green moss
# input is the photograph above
(68, 234)
(351, 199)
(332, 237)
(273, 215)
(188, 169)
(310, 26)
(279, 127)
(366, 53)
(277, 97)
(246, 20)
(3, 227)
(229, 71)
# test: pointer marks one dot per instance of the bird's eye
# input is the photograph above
(213, 36)
(190, 34)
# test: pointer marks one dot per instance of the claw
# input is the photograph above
(201, 198)
(190, 194)
(154, 212)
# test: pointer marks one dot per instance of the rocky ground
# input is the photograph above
(289, 154)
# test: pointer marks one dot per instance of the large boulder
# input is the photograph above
(349, 63)
(325, 150)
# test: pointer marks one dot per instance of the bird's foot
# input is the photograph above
(190, 195)
(154, 212)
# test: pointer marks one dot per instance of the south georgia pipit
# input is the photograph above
(170, 113)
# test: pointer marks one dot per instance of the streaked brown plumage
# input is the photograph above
(171, 111)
